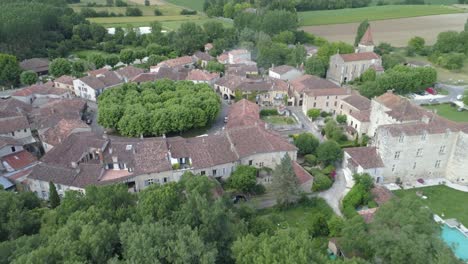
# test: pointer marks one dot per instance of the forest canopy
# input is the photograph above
(158, 108)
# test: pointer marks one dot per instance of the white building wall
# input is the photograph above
(324, 103)
(457, 169)
(7, 150)
(84, 91)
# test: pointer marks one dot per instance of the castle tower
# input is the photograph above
(367, 42)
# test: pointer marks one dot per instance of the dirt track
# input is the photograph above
(395, 31)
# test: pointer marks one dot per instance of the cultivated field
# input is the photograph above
(395, 31)
(350, 15)
(192, 4)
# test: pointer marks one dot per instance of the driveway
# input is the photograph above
(219, 122)
(335, 194)
(306, 123)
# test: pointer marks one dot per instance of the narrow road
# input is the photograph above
(306, 123)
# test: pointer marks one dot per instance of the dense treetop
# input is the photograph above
(157, 108)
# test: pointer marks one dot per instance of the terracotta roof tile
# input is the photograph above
(102, 81)
(129, 72)
(302, 175)
(202, 56)
(14, 123)
(199, 75)
(358, 101)
(367, 38)
(282, 69)
(381, 195)
(311, 82)
(177, 62)
(65, 79)
(359, 56)
(366, 157)
(39, 89)
(55, 135)
(19, 160)
(35, 64)
(144, 77)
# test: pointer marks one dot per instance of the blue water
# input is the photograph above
(457, 241)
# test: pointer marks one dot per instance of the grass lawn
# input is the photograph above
(428, 2)
(299, 216)
(350, 15)
(84, 54)
(442, 200)
(192, 4)
(449, 112)
(279, 120)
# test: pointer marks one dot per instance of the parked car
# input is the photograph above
(421, 180)
(431, 90)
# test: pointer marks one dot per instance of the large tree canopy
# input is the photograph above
(157, 108)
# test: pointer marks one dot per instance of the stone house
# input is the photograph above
(301, 85)
(228, 84)
(181, 62)
(53, 136)
(16, 127)
(37, 65)
(31, 93)
(239, 56)
(202, 58)
(65, 82)
(201, 76)
(357, 110)
(344, 68)
(9, 145)
(127, 73)
(362, 160)
(414, 143)
(284, 72)
(90, 87)
(347, 67)
(84, 159)
(242, 70)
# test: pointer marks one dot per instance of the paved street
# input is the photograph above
(306, 123)
(92, 113)
(219, 122)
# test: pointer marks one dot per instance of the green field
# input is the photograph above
(192, 4)
(449, 112)
(442, 200)
(340, 16)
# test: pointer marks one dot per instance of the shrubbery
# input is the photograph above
(321, 182)
(359, 195)
(187, 12)
(268, 112)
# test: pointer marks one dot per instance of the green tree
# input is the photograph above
(285, 37)
(28, 77)
(284, 246)
(276, 21)
(447, 41)
(307, 143)
(59, 67)
(159, 201)
(214, 66)
(329, 49)
(335, 226)
(321, 182)
(316, 66)
(361, 31)
(341, 119)
(285, 183)
(329, 152)
(214, 30)
(313, 113)
(112, 60)
(98, 60)
(155, 59)
(79, 66)
(189, 38)
(9, 70)
(54, 198)
(133, 11)
(243, 179)
(416, 44)
(369, 75)
(391, 60)
(127, 56)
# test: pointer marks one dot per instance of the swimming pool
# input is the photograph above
(456, 240)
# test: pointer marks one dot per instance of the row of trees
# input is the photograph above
(230, 8)
(401, 79)
(183, 223)
(158, 108)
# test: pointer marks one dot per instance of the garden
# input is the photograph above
(272, 116)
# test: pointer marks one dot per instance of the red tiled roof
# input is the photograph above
(199, 75)
(243, 113)
(129, 72)
(39, 89)
(367, 38)
(98, 72)
(13, 123)
(102, 81)
(310, 82)
(360, 56)
(65, 79)
(358, 101)
(282, 69)
(19, 159)
(62, 130)
(177, 62)
(35, 64)
(366, 157)
(144, 77)
(302, 175)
